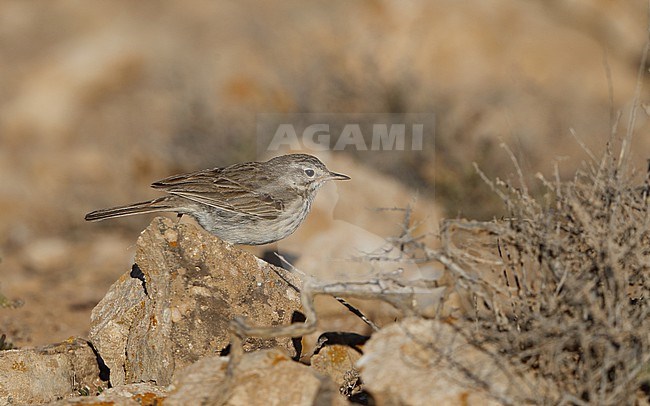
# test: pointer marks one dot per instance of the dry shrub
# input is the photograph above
(558, 290)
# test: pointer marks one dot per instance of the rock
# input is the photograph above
(199, 381)
(408, 363)
(265, 377)
(338, 362)
(111, 324)
(175, 305)
(135, 394)
(45, 374)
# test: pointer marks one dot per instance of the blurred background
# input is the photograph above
(100, 99)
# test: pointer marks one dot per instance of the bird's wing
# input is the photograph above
(230, 191)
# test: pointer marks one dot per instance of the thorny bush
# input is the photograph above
(558, 290)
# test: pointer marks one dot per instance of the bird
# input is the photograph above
(250, 203)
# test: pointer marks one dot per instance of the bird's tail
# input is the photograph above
(166, 203)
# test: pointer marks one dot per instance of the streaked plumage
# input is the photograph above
(248, 203)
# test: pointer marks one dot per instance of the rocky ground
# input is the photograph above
(162, 333)
(100, 100)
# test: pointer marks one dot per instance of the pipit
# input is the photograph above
(249, 203)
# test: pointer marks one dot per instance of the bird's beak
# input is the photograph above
(337, 176)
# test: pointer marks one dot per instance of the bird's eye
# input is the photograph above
(309, 172)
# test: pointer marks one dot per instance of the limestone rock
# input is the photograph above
(135, 394)
(266, 377)
(338, 362)
(175, 305)
(408, 363)
(45, 374)
(111, 323)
